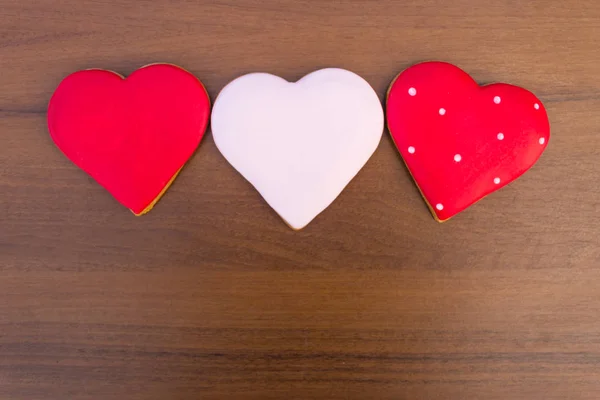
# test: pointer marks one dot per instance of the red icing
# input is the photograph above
(131, 135)
(470, 128)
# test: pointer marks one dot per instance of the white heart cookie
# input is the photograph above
(299, 144)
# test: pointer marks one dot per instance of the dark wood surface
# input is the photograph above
(212, 296)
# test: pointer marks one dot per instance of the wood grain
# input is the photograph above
(212, 296)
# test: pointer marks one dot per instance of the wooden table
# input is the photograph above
(212, 296)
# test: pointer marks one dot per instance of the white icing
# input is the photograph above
(500, 136)
(542, 140)
(497, 99)
(299, 144)
(411, 149)
(442, 111)
(439, 206)
(412, 91)
(457, 157)
(536, 106)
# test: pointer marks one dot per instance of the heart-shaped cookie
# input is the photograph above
(299, 144)
(131, 135)
(461, 141)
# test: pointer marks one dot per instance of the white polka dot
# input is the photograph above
(536, 106)
(439, 206)
(500, 136)
(457, 157)
(496, 180)
(542, 140)
(411, 150)
(442, 111)
(412, 91)
(497, 99)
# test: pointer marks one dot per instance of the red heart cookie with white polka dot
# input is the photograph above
(461, 141)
